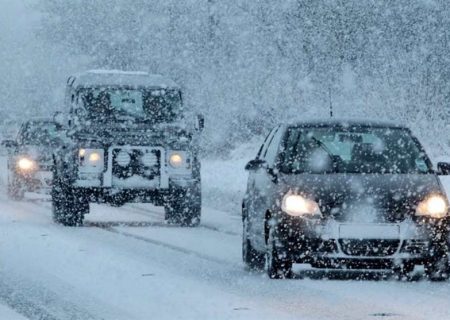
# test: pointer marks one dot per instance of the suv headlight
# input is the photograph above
(91, 158)
(435, 206)
(179, 160)
(26, 164)
(297, 205)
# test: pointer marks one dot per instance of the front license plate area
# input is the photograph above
(369, 231)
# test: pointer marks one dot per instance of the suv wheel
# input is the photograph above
(68, 209)
(183, 207)
(278, 266)
(438, 269)
(253, 259)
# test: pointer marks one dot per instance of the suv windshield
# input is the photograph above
(39, 133)
(106, 104)
(352, 150)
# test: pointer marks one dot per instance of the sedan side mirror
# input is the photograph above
(255, 164)
(9, 144)
(443, 168)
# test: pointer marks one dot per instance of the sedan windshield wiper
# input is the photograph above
(334, 158)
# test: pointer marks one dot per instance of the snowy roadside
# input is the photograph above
(9, 314)
(224, 180)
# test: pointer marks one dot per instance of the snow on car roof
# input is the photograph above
(97, 78)
(347, 123)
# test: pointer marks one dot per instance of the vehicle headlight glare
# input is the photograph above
(26, 164)
(91, 158)
(176, 160)
(297, 205)
(434, 206)
(94, 157)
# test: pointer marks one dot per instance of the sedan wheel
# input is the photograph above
(438, 269)
(277, 266)
(252, 258)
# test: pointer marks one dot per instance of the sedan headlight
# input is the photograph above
(434, 206)
(297, 205)
(26, 164)
(93, 158)
(179, 160)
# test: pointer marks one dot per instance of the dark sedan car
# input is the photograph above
(353, 195)
(30, 157)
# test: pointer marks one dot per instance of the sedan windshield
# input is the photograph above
(353, 150)
(106, 104)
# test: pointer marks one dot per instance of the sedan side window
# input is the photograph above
(263, 149)
(272, 150)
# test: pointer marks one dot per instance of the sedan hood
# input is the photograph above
(364, 198)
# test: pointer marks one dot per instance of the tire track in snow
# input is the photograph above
(165, 245)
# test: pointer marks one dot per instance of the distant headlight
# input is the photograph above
(26, 164)
(297, 205)
(434, 206)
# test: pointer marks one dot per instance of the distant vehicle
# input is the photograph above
(351, 195)
(130, 141)
(30, 157)
(9, 129)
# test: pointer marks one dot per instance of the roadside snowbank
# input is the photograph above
(9, 314)
(224, 180)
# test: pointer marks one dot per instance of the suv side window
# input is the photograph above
(20, 134)
(274, 145)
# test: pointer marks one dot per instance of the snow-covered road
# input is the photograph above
(126, 264)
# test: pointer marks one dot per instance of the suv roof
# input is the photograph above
(94, 78)
(347, 123)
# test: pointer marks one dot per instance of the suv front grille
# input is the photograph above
(369, 247)
(142, 162)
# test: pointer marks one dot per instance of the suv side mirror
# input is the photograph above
(200, 125)
(255, 164)
(9, 144)
(59, 119)
(443, 168)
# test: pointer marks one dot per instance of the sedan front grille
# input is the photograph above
(369, 247)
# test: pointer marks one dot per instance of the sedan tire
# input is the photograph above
(253, 259)
(277, 265)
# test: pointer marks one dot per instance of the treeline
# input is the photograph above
(249, 64)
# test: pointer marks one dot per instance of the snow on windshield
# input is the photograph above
(110, 103)
(353, 150)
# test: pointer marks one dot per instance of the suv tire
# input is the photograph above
(183, 207)
(68, 208)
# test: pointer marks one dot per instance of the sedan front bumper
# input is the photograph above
(330, 243)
